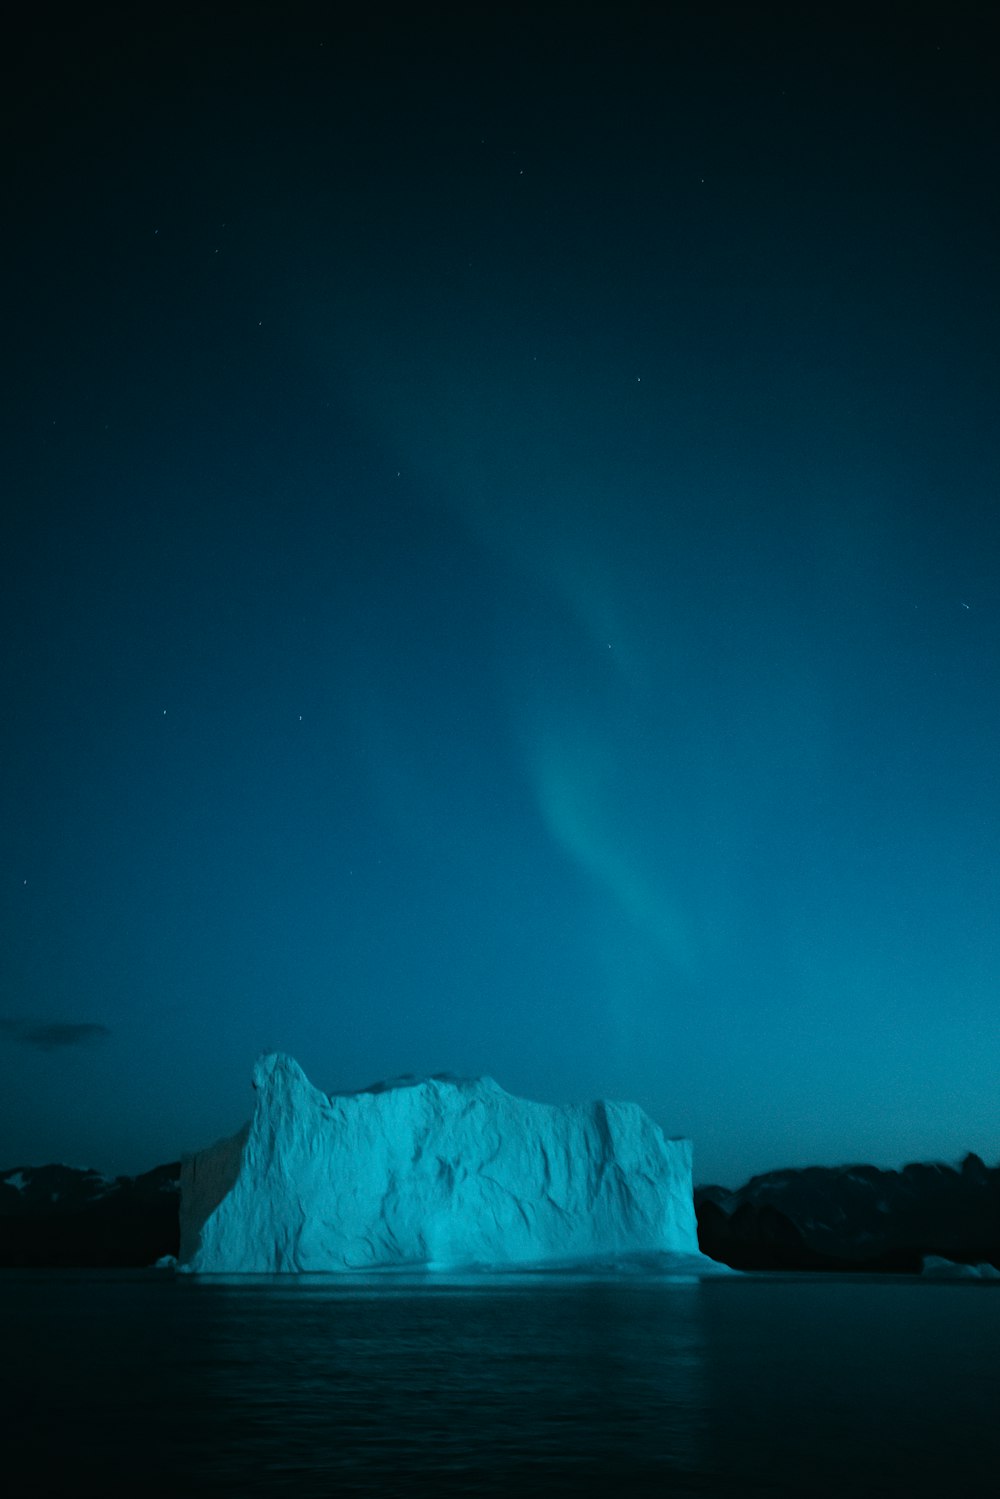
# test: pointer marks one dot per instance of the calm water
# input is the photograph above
(116, 1384)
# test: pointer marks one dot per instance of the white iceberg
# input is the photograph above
(439, 1173)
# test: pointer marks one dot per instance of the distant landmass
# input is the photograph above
(63, 1216)
(855, 1218)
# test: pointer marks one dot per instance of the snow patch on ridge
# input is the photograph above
(432, 1173)
(938, 1268)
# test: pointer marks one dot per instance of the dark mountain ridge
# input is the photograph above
(61, 1215)
(854, 1217)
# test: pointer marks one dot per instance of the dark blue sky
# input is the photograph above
(502, 570)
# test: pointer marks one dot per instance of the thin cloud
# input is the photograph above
(52, 1035)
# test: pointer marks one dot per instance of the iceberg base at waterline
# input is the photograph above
(440, 1173)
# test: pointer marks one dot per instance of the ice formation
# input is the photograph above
(439, 1173)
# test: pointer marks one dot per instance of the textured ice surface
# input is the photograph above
(438, 1173)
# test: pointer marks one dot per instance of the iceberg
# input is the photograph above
(440, 1173)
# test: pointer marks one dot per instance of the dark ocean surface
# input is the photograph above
(130, 1383)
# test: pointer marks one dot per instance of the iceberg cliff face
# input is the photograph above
(438, 1173)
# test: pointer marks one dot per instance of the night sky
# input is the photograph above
(501, 568)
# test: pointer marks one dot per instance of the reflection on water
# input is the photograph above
(784, 1386)
(380, 1381)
